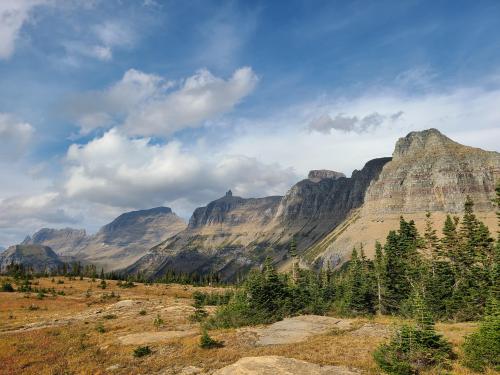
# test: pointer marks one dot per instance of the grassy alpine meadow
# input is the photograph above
(76, 327)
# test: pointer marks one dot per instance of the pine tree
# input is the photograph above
(360, 293)
(295, 263)
(472, 264)
(379, 267)
(450, 239)
(403, 265)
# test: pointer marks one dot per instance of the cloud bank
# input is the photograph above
(117, 170)
(149, 105)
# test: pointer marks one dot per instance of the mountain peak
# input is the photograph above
(317, 175)
(419, 141)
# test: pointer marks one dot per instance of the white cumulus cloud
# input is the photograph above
(149, 105)
(120, 171)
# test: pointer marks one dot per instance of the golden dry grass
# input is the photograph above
(76, 347)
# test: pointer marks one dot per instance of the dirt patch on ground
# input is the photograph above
(372, 330)
(296, 329)
(276, 365)
(153, 337)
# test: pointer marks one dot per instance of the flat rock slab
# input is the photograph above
(275, 365)
(127, 303)
(153, 337)
(299, 328)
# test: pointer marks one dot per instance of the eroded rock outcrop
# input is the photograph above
(428, 172)
(232, 234)
(317, 175)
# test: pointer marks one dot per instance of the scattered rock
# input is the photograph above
(275, 365)
(297, 329)
(191, 370)
(152, 337)
(124, 303)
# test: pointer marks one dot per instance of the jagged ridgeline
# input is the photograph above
(328, 214)
(117, 244)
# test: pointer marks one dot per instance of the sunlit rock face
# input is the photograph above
(430, 172)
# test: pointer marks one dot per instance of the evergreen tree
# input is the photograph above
(482, 348)
(295, 262)
(380, 276)
(359, 295)
(437, 274)
(472, 261)
(450, 238)
(403, 265)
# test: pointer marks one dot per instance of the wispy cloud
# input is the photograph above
(13, 15)
(15, 137)
(325, 123)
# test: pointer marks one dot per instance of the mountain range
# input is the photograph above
(327, 214)
(115, 245)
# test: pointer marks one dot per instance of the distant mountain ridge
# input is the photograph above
(428, 172)
(117, 244)
(34, 257)
(328, 213)
(232, 234)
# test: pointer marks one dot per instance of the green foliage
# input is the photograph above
(158, 321)
(211, 299)
(7, 287)
(142, 312)
(198, 315)
(207, 342)
(100, 328)
(142, 351)
(125, 284)
(359, 296)
(482, 348)
(414, 348)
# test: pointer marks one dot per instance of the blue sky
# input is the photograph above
(107, 106)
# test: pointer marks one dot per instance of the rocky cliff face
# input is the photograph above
(117, 244)
(235, 211)
(232, 234)
(35, 257)
(312, 208)
(63, 240)
(228, 236)
(428, 172)
(431, 172)
(320, 174)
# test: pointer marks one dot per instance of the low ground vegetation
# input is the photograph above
(414, 281)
